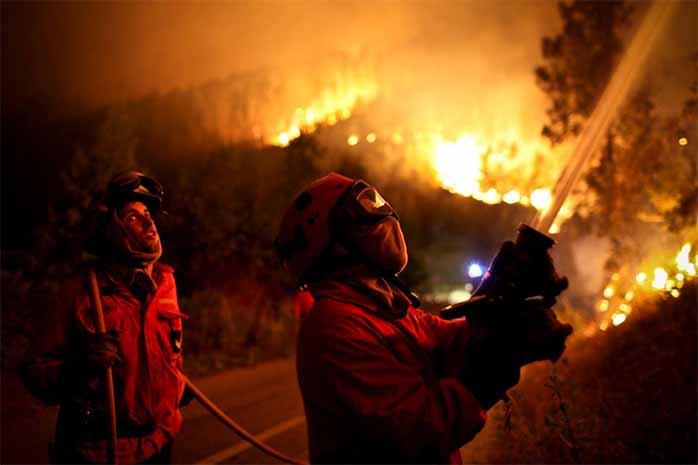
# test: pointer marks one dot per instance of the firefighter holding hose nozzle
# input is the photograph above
(141, 345)
(382, 381)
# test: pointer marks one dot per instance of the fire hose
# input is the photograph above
(236, 428)
(196, 392)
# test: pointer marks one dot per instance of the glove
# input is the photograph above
(524, 283)
(490, 368)
(490, 384)
(503, 340)
(541, 336)
(529, 327)
(517, 272)
(100, 350)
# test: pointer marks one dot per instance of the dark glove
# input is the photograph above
(523, 269)
(522, 284)
(490, 368)
(541, 336)
(490, 384)
(503, 340)
(100, 350)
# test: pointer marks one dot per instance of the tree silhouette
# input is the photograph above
(643, 179)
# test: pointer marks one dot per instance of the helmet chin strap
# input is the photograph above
(402, 287)
(391, 278)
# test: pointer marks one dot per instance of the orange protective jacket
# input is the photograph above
(148, 383)
(382, 391)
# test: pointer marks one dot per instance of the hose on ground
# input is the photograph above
(236, 428)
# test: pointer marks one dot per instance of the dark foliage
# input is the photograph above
(643, 182)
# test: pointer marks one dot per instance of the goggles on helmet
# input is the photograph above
(136, 185)
(136, 182)
(363, 203)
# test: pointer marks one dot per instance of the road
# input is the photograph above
(264, 399)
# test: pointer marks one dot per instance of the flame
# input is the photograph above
(490, 167)
(608, 292)
(333, 104)
(630, 289)
(459, 165)
(660, 278)
(683, 262)
(541, 198)
(511, 197)
(618, 319)
(460, 168)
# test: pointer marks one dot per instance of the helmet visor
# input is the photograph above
(372, 203)
(362, 204)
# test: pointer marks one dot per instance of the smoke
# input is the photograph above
(450, 64)
(99, 53)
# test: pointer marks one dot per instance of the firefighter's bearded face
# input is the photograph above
(140, 229)
(367, 225)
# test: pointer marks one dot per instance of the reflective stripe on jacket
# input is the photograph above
(148, 383)
(382, 391)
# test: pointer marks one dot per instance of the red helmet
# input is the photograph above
(305, 230)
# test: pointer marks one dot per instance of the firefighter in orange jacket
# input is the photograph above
(381, 380)
(143, 343)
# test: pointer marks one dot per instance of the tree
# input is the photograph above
(579, 62)
(60, 241)
(642, 180)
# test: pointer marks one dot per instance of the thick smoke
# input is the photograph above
(98, 53)
(452, 64)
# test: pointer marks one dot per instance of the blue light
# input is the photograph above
(474, 270)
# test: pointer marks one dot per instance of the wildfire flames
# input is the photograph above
(466, 165)
(333, 106)
(616, 304)
(507, 170)
(345, 86)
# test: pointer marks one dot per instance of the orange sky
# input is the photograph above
(461, 52)
(97, 53)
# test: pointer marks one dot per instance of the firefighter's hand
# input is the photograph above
(543, 336)
(490, 384)
(100, 351)
(490, 369)
(517, 273)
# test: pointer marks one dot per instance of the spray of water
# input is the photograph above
(623, 79)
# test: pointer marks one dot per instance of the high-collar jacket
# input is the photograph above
(148, 382)
(381, 388)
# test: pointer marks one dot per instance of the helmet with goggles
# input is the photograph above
(134, 186)
(362, 204)
(308, 225)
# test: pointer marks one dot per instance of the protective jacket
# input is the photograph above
(148, 384)
(381, 387)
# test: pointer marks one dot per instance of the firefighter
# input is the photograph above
(381, 380)
(143, 343)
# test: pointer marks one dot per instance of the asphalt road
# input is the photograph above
(263, 399)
